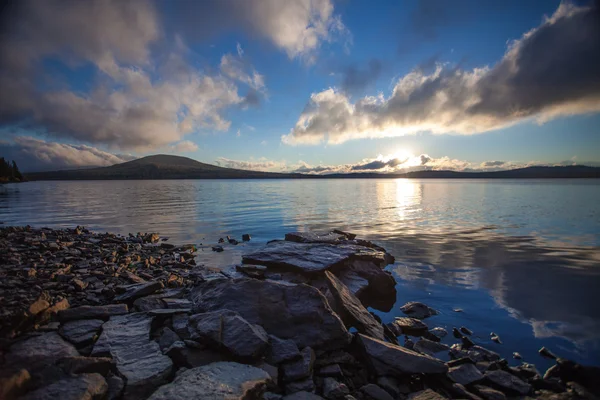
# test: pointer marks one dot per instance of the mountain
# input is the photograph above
(164, 166)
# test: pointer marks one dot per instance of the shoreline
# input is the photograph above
(126, 316)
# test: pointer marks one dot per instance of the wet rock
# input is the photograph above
(418, 310)
(301, 368)
(374, 392)
(80, 387)
(305, 385)
(302, 396)
(489, 394)
(126, 338)
(353, 313)
(288, 311)
(92, 312)
(439, 332)
(217, 249)
(495, 338)
(313, 237)
(167, 339)
(246, 237)
(465, 374)
(408, 326)
(569, 371)
(132, 292)
(544, 352)
(216, 381)
(466, 342)
(456, 333)
(39, 350)
(427, 394)
(253, 271)
(507, 382)
(281, 350)
(517, 356)
(389, 359)
(430, 347)
(333, 389)
(228, 329)
(466, 331)
(86, 365)
(80, 332)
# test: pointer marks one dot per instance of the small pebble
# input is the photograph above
(517, 356)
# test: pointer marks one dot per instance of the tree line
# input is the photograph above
(9, 171)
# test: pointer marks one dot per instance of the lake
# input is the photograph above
(521, 258)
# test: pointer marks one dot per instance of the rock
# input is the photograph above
(439, 332)
(456, 333)
(281, 350)
(348, 235)
(38, 306)
(496, 338)
(86, 365)
(127, 339)
(353, 313)
(288, 311)
(115, 387)
(374, 392)
(389, 359)
(80, 387)
(180, 325)
(390, 385)
(466, 331)
(544, 352)
(136, 290)
(81, 332)
(38, 351)
(216, 381)
(228, 329)
(246, 237)
(517, 356)
(167, 312)
(459, 391)
(380, 293)
(167, 339)
(302, 396)
(489, 393)
(253, 271)
(465, 374)
(417, 310)
(331, 370)
(306, 385)
(429, 347)
(92, 312)
(217, 249)
(311, 257)
(427, 394)
(313, 237)
(271, 396)
(301, 368)
(508, 382)
(14, 384)
(332, 389)
(408, 326)
(148, 303)
(189, 357)
(466, 342)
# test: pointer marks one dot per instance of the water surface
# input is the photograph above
(521, 258)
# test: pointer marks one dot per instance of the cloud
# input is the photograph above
(37, 155)
(552, 70)
(356, 80)
(142, 95)
(185, 146)
(262, 164)
(297, 27)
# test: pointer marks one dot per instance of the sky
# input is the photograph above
(314, 86)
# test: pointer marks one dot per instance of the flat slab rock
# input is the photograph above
(297, 312)
(92, 312)
(132, 292)
(426, 394)
(216, 381)
(389, 359)
(311, 257)
(418, 310)
(465, 374)
(79, 387)
(408, 326)
(80, 332)
(39, 350)
(127, 339)
(508, 382)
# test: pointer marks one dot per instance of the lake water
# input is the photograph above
(521, 258)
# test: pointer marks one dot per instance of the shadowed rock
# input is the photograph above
(216, 381)
(92, 312)
(80, 387)
(82, 332)
(39, 350)
(288, 311)
(301, 368)
(465, 374)
(507, 382)
(132, 292)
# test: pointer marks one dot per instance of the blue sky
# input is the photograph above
(299, 84)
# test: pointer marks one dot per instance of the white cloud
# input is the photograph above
(262, 164)
(234, 68)
(239, 49)
(185, 146)
(551, 71)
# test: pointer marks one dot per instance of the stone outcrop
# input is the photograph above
(92, 312)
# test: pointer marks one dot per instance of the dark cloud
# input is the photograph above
(493, 163)
(355, 80)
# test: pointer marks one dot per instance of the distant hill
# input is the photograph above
(175, 167)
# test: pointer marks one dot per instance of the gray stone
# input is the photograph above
(167, 338)
(281, 350)
(126, 338)
(149, 303)
(136, 290)
(374, 392)
(228, 329)
(418, 310)
(408, 326)
(333, 389)
(216, 381)
(439, 332)
(353, 313)
(311, 257)
(39, 350)
(305, 385)
(271, 396)
(301, 368)
(86, 365)
(508, 382)
(288, 311)
(390, 385)
(426, 394)
(489, 393)
(189, 357)
(80, 387)
(430, 347)
(465, 374)
(82, 332)
(92, 312)
(302, 396)
(180, 325)
(115, 387)
(387, 359)
(331, 370)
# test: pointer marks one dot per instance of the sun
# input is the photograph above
(401, 154)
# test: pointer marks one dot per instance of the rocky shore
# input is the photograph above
(99, 316)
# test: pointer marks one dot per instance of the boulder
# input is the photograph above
(126, 338)
(305, 385)
(389, 359)
(92, 312)
(507, 382)
(426, 394)
(333, 389)
(132, 292)
(430, 347)
(86, 365)
(180, 325)
(418, 310)
(380, 293)
(465, 374)
(216, 381)
(408, 326)
(39, 350)
(353, 313)
(374, 392)
(297, 312)
(439, 332)
(79, 387)
(489, 393)
(301, 368)
(228, 329)
(167, 338)
(281, 350)
(190, 357)
(115, 387)
(80, 332)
